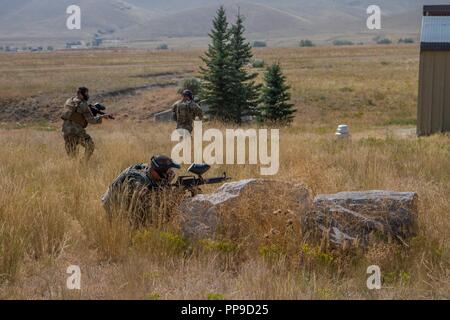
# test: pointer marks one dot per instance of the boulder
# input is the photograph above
(243, 207)
(359, 217)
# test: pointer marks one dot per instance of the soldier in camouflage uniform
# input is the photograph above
(77, 116)
(130, 191)
(185, 111)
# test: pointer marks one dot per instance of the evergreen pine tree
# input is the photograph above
(245, 92)
(274, 104)
(217, 75)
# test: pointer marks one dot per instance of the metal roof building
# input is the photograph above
(433, 114)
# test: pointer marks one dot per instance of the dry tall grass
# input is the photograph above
(51, 217)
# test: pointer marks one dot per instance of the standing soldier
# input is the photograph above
(77, 116)
(186, 110)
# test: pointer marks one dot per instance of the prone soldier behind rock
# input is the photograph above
(186, 110)
(77, 116)
(130, 192)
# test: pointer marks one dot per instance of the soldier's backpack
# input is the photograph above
(71, 112)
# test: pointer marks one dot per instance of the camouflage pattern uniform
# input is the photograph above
(129, 191)
(76, 118)
(185, 112)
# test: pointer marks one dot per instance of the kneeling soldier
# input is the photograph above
(130, 191)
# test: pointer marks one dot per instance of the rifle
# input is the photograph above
(98, 109)
(193, 183)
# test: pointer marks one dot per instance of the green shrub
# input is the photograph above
(216, 245)
(215, 296)
(192, 84)
(316, 255)
(153, 296)
(406, 40)
(306, 43)
(259, 44)
(342, 43)
(174, 241)
(270, 252)
(162, 46)
(258, 63)
(149, 239)
(384, 41)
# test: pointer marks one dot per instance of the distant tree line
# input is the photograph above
(229, 88)
(25, 48)
(339, 42)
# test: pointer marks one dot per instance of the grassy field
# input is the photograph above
(362, 85)
(51, 217)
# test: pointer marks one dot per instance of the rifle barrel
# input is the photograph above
(216, 180)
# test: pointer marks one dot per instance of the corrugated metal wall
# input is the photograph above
(434, 93)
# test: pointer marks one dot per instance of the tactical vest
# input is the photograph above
(72, 114)
(184, 112)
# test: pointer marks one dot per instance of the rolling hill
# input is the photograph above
(153, 19)
(47, 18)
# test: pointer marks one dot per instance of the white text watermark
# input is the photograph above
(229, 149)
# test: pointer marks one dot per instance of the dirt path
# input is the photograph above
(129, 100)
